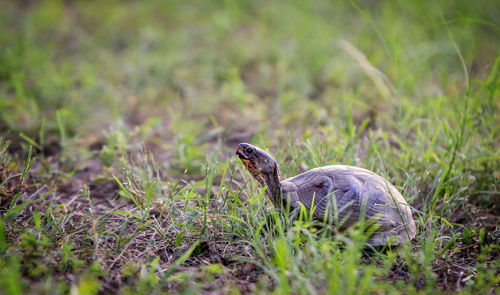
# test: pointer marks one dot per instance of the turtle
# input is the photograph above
(340, 194)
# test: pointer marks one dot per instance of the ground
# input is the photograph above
(119, 123)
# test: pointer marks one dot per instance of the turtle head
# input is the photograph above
(257, 161)
(262, 166)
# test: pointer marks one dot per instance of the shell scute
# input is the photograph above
(356, 192)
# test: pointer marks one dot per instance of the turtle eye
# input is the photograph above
(249, 150)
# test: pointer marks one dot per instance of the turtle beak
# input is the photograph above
(241, 153)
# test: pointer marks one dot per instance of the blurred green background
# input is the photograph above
(279, 66)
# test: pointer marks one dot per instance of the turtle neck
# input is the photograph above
(272, 182)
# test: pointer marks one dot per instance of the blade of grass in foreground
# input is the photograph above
(180, 260)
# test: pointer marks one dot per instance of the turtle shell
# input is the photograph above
(344, 194)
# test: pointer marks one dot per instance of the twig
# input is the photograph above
(119, 256)
(458, 280)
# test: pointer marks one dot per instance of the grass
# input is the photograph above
(119, 121)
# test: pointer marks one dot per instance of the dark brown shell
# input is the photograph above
(341, 192)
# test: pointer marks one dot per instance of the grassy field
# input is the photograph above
(119, 121)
